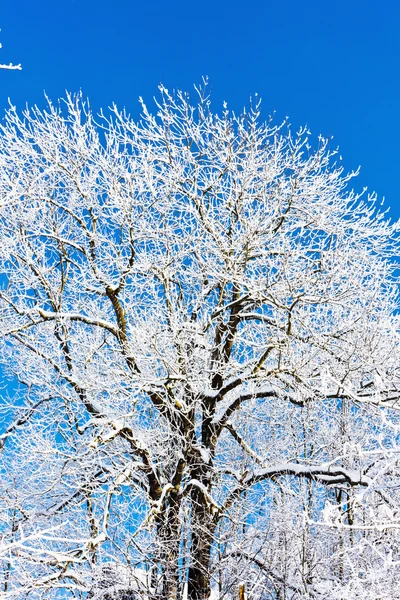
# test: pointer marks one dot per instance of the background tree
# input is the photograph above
(198, 320)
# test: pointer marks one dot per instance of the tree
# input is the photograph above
(199, 329)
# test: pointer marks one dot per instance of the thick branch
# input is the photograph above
(326, 473)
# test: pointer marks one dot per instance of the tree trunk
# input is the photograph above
(199, 578)
(199, 587)
(167, 557)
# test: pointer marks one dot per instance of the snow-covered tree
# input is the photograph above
(199, 333)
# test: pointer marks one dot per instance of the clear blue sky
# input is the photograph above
(334, 65)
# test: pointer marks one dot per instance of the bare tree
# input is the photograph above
(198, 323)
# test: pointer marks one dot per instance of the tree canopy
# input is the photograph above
(198, 320)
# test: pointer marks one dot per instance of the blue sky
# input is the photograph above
(331, 65)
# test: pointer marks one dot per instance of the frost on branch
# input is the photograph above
(199, 321)
(10, 66)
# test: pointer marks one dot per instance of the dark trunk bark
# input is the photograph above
(199, 587)
(167, 557)
(199, 578)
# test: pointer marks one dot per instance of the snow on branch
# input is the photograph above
(198, 318)
(10, 66)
